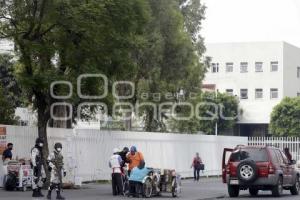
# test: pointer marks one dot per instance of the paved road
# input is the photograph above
(206, 189)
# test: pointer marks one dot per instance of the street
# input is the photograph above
(211, 188)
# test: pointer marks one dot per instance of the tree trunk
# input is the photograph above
(43, 117)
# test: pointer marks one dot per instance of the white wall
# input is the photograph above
(291, 62)
(87, 151)
(255, 111)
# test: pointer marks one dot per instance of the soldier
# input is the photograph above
(37, 161)
(56, 168)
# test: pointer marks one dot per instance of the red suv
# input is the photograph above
(259, 168)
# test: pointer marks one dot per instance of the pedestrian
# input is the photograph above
(7, 154)
(115, 164)
(196, 164)
(288, 154)
(123, 155)
(37, 161)
(134, 158)
(56, 168)
(136, 179)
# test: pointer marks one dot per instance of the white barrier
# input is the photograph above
(87, 151)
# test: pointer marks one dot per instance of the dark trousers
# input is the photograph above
(117, 183)
(196, 174)
(135, 188)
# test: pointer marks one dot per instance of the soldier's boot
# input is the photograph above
(59, 196)
(35, 193)
(49, 194)
(40, 192)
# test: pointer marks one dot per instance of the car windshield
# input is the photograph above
(257, 155)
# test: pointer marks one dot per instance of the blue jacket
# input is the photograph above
(138, 174)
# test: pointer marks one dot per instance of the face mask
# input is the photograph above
(41, 144)
(10, 148)
(58, 149)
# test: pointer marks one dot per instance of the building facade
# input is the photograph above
(259, 74)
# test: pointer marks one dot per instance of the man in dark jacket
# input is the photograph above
(123, 154)
(7, 154)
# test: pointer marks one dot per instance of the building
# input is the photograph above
(6, 47)
(260, 74)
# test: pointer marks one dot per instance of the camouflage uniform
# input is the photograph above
(57, 171)
(39, 175)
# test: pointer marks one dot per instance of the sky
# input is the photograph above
(252, 20)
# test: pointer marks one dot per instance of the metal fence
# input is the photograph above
(293, 143)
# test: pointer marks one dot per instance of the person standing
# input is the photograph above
(196, 164)
(7, 154)
(37, 161)
(134, 158)
(115, 164)
(123, 155)
(56, 167)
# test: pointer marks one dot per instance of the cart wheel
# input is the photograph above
(148, 188)
(174, 188)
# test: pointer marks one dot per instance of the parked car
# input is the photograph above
(259, 168)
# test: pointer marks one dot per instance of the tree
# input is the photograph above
(213, 108)
(7, 111)
(285, 118)
(169, 59)
(60, 40)
(11, 89)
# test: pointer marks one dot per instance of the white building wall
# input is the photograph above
(291, 62)
(254, 110)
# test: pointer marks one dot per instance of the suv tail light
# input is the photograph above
(227, 169)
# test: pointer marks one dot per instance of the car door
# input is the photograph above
(226, 154)
(289, 169)
(284, 167)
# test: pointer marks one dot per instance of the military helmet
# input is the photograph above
(58, 145)
(39, 140)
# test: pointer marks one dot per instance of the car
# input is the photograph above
(257, 168)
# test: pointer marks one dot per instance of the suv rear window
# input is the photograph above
(255, 154)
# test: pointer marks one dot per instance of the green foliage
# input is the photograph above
(168, 60)
(7, 111)
(212, 109)
(285, 118)
(11, 89)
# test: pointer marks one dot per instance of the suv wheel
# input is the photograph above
(247, 171)
(233, 190)
(296, 187)
(278, 188)
(253, 192)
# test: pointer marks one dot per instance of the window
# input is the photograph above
(274, 93)
(257, 155)
(279, 157)
(229, 67)
(258, 67)
(258, 93)
(229, 91)
(244, 67)
(274, 66)
(215, 67)
(298, 72)
(244, 93)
